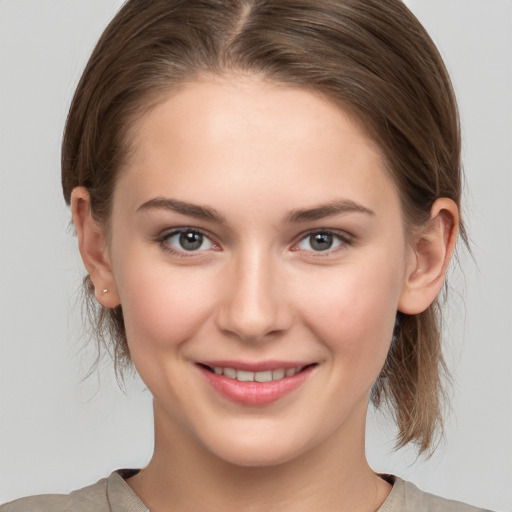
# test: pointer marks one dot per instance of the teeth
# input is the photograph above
(229, 372)
(244, 376)
(264, 376)
(278, 374)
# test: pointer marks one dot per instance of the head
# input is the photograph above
(370, 59)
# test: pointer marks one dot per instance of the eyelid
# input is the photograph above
(345, 238)
(168, 233)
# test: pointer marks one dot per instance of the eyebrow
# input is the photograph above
(340, 207)
(189, 209)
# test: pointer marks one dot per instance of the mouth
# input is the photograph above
(255, 385)
(256, 376)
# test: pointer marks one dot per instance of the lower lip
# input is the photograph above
(255, 393)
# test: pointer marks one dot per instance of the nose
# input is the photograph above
(254, 304)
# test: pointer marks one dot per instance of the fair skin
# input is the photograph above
(255, 229)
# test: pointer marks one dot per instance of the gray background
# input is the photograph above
(58, 432)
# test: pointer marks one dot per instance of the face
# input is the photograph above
(259, 255)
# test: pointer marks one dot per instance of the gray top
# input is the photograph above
(113, 494)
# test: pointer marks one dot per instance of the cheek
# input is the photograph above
(162, 305)
(353, 310)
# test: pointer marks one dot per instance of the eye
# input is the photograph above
(186, 240)
(321, 241)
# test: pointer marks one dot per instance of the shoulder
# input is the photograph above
(110, 494)
(405, 496)
(92, 498)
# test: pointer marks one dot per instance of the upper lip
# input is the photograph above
(258, 366)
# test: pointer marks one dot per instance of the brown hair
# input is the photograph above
(371, 56)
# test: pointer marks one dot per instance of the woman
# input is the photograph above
(266, 197)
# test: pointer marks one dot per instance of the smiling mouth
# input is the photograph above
(258, 376)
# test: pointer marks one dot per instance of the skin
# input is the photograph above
(256, 290)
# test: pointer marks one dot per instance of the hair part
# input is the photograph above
(371, 57)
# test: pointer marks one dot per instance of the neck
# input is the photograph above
(331, 477)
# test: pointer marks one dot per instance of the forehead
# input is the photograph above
(245, 135)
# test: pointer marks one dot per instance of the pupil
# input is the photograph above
(321, 241)
(191, 240)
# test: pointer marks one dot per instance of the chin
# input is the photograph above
(257, 450)
(256, 458)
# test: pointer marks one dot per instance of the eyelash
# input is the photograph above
(183, 253)
(343, 240)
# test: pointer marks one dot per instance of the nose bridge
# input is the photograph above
(254, 305)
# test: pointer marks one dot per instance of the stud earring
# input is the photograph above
(104, 291)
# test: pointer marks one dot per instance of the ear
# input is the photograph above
(431, 251)
(93, 246)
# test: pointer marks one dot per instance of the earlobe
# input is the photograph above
(93, 248)
(431, 252)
